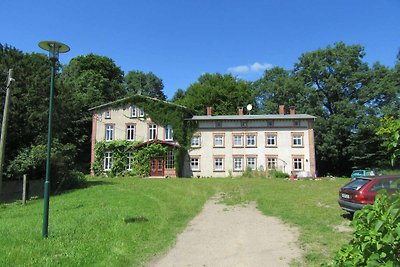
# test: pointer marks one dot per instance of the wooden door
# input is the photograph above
(157, 166)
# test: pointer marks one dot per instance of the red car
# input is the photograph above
(362, 191)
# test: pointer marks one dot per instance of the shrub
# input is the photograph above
(277, 174)
(376, 240)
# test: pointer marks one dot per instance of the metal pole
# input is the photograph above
(45, 231)
(4, 127)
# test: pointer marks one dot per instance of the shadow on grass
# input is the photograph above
(348, 215)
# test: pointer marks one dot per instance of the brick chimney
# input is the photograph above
(209, 111)
(281, 109)
(240, 110)
(292, 110)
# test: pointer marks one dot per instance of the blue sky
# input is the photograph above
(180, 40)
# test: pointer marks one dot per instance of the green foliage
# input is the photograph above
(250, 173)
(224, 93)
(164, 113)
(138, 82)
(390, 131)
(120, 148)
(376, 240)
(277, 174)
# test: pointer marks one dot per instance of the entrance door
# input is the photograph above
(157, 167)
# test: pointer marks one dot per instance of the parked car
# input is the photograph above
(362, 173)
(362, 191)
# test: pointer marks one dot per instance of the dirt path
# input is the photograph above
(233, 236)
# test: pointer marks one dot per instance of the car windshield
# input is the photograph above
(357, 172)
(356, 184)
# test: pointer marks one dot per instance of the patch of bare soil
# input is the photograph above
(233, 236)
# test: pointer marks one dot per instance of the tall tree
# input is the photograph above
(88, 81)
(222, 92)
(337, 75)
(148, 84)
(278, 86)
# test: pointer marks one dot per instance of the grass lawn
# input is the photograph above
(126, 221)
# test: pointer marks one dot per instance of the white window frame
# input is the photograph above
(141, 112)
(152, 132)
(168, 133)
(195, 141)
(107, 114)
(297, 139)
(219, 140)
(238, 163)
(130, 132)
(130, 161)
(235, 138)
(169, 159)
(195, 163)
(107, 163)
(133, 111)
(272, 163)
(253, 138)
(271, 139)
(109, 132)
(218, 163)
(248, 165)
(296, 161)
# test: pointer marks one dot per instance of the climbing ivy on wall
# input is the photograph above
(162, 113)
(141, 157)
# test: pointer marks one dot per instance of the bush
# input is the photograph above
(376, 240)
(249, 173)
(277, 174)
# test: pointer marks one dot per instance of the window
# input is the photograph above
(109, 132)
(170, 159)
(272, 163)
(238, 140)
(296, 123)
(130, 132)
(238, 163)
(107, 114)
(107, 161)
(195, 163)
(141, 112)
(168, 133)
(270, 123)
(244, 124)
(297, 163)
(297, 139)
(219, 140)
(218, 163)
(251, 162)
(271, 139)
(129, 161)
(152, 131)
(251, 140)
(133, 111)
(218, 124)
(196, 141)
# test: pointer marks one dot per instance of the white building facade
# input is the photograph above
(228, 145)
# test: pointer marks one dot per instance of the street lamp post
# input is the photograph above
(54, 48)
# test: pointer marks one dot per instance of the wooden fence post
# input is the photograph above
(24, 190)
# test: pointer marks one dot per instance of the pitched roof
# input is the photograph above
(138, 98)
(253, 117)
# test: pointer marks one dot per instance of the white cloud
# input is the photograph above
(255, 67)
(239, 69)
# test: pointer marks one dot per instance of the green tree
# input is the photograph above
(337, 75)
(390, 131)
(225, 93)
(179, 94)
(87, 81)
(278, 86)
(148, 84)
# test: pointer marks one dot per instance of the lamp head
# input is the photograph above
(54, 48)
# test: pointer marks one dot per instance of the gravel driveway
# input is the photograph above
(233, 236)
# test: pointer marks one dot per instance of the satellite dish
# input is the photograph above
(249, 107)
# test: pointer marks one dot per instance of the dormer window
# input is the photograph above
(107, 114)
(141, 112)
(133, 111)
